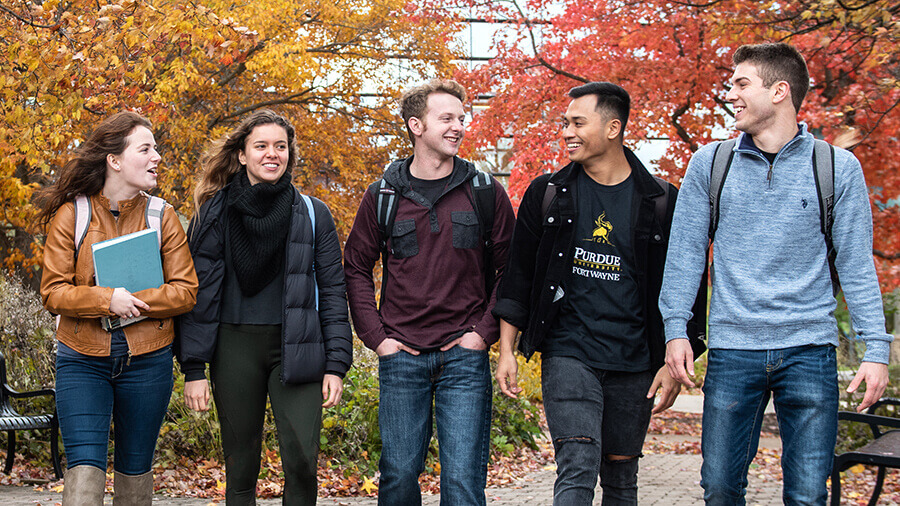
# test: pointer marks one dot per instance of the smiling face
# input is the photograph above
(588, 134)
(137, 165)
(442, 128)
(265, 153)
(754, 104)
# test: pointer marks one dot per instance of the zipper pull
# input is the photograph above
(769, 176)
(128, 362)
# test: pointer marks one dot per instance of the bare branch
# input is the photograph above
(537, 53)
(682, 133)
(886, 256)
(290, 99)
(880, 118)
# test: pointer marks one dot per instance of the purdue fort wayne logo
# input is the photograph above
(595, 265)
(602, 232)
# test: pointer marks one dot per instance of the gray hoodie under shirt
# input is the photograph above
(771, 285)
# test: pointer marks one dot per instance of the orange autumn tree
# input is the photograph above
(675, 59)
(196, 69)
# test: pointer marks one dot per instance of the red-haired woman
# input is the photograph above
(122, 375)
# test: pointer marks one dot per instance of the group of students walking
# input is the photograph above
(602, 272)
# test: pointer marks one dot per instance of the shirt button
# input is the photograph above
(570, 220)
(657, 237)
(553, 288)
(560, 253)
(564, 190)
(550, 219)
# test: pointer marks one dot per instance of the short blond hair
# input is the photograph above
(415, 100)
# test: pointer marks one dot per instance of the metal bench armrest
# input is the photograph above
(885, 421)
(23, 395)
(884, 401)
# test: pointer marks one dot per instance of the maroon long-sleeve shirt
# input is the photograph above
(435, 289)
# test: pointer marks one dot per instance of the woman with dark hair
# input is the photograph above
(271, 318)
(125, 374)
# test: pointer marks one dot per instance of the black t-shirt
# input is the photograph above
(431, 189)
(600, 321)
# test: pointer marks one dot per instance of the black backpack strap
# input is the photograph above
(549, 195)
(385, 209)
(484, 197)
(721, 163)
(662, 202)
(386, 200)
(823, 171)
(483, 193)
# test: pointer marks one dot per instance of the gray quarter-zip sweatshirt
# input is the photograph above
(771, 285)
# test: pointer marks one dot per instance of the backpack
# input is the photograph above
(482, 187)
(823, 172)
(153, 214)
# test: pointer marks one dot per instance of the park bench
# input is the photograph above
(883, 451)
(11, 420)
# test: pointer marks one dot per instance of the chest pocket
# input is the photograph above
(466, 231)
(403, 239)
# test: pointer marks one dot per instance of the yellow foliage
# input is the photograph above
(530, 378)
(196, 70)
(368, 486)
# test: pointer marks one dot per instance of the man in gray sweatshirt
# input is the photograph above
(772, 330)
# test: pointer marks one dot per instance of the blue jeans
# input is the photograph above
(92, 391)
(593, 414)
(803, 383)
(458, 384)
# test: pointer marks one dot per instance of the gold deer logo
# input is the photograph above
(604, 228)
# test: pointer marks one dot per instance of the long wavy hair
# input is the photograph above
(85, 174)
(220, 161)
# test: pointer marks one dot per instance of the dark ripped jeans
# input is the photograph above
(592, 415)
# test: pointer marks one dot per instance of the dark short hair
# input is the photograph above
(777, 62)
(612, 99)
(414, 101)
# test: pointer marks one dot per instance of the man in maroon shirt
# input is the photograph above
(433, 326)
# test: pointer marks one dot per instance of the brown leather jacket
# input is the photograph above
(68, 289)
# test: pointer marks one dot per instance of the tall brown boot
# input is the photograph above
(84, 486)
(133, 490)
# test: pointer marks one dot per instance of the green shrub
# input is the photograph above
(26, 336)
(26, 341)
(350, 437)
(186, 432)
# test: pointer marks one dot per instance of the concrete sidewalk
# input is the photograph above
(664, 479)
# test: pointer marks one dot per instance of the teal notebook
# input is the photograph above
(130, 261)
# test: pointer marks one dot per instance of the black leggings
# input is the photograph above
(246, 368)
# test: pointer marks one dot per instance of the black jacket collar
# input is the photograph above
(644, 182)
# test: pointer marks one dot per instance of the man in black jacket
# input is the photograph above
(582, 283)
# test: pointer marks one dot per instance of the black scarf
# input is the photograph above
(258, 221)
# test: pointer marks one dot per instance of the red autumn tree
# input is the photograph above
(674, 58)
